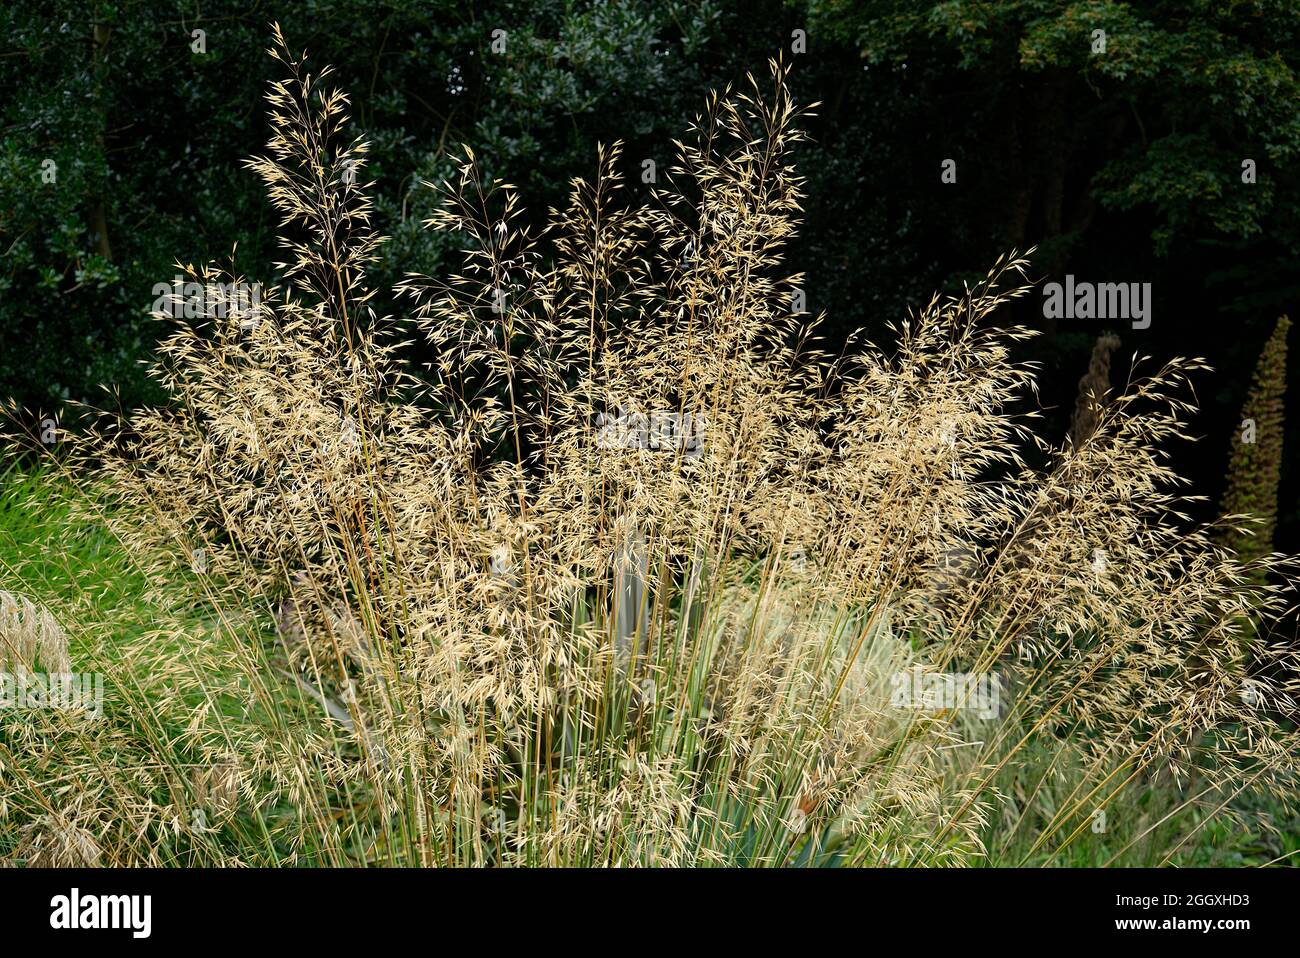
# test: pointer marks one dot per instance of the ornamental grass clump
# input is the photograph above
(638, 572)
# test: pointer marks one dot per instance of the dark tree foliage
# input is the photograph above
(1166, 154)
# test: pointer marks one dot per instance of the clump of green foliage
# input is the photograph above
(493, 616)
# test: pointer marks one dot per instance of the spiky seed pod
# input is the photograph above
(1255, 465)
(1094, 389)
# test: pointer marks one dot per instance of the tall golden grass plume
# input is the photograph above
(629, 575)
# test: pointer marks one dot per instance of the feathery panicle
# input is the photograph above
(30, 637)
(639, 574)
